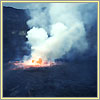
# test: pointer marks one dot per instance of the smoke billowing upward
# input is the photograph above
(56, 28)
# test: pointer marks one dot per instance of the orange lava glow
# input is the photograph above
(33, 63)
(39, 61)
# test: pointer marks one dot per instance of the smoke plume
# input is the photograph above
(56, 28)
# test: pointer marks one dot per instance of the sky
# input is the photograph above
(20, 5)
(17, 5)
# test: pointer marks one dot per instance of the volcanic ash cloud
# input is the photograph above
(65, 27)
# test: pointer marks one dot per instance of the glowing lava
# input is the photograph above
(39, 61)
(33, 63)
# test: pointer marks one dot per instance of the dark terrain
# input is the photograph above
(74, 78)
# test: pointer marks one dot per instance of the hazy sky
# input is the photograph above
(20, 5)
(17, 5)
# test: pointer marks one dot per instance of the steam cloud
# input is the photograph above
(56, 28)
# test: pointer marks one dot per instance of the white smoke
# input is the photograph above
(39, 15)
(63, 22)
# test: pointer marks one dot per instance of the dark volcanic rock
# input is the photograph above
(14, 32)
(66, 80)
